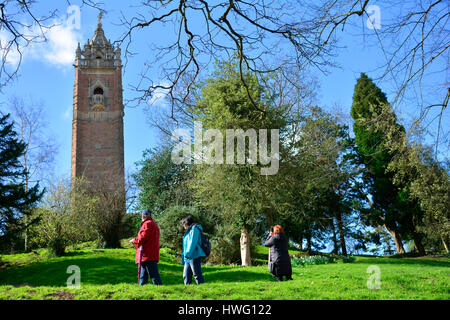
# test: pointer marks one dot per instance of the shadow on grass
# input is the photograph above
(116, 267)
(101, 270)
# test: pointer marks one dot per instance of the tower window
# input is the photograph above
(98, 90)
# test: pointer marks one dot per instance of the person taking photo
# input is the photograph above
(279, 259)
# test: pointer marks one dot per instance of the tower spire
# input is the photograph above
(99, 38)
(99, 20)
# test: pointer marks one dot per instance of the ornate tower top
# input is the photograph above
(98, 52)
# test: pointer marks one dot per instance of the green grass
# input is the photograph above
(112, 274)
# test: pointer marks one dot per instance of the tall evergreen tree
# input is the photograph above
(238, 191)
(14, 197)
(368, 102)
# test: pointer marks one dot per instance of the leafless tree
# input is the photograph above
(20, 27)
(41, 148)
(258, 33)
(265, 36)
(270, 35)
(131, 190)
(110, 207)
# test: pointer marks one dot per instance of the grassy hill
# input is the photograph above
(112, 274)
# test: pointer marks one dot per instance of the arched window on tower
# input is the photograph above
(98, 100)
(98, 90)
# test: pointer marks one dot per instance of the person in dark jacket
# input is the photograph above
(279, 259)
(148, 238)
(192, 254)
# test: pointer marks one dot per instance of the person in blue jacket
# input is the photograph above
(192, 254)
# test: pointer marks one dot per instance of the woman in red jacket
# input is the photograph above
(148, 238)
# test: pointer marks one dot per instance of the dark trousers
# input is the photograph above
(282, 269)
(193, 267)
(149, 269)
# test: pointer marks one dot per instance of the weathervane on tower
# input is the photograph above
(99, 21)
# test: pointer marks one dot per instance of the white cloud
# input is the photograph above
(56, 46)
(61, 44)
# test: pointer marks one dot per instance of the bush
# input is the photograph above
(52, 231)
(131, 223)
(319, 259)
(56, 247)
(348, 259)
(225, 246)
(64, 218)
(171, 229)
(225, 239)
(311, 260)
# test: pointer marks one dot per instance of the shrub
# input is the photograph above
(130, 224)
(64, 218)
(311, 260)
(56, 247)
(225, 246)
(171, 229)
(348, 259)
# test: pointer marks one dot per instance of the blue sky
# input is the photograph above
(47, 74)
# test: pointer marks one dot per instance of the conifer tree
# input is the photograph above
(368, 104)
(14, 198)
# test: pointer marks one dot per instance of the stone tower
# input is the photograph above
(97, 127)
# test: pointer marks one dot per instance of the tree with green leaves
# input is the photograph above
(237, 191)
(161, 182)
(375, 127)
(66, 215)
(315, 179)
(14, 197)
(38, 156)
(431, 188)
(425, 186)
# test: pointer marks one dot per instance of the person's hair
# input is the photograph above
(189, 220)
(278, 229)
(146, 213)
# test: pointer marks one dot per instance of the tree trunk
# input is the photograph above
(444, 242)
(386, 239)
(26, 234)
(245, 247)
(25, 214)
(397, 239)
(308, 244)
(341, 233)
(300, 241)
(334, 238)
(418, 243)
